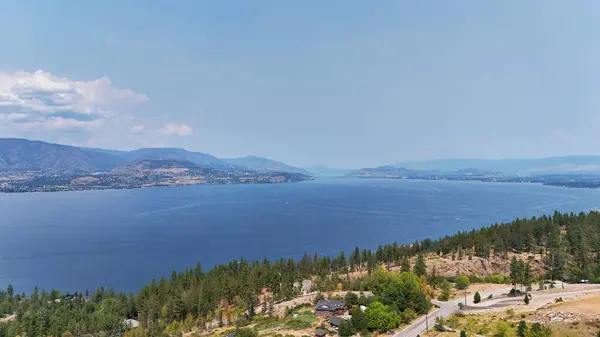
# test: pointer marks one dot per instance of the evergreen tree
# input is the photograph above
(420, 268)
(522, 329)
(346, 329)
(358, 320)
(405, 267)
(445, 293)
(477, 297)
(10, 291)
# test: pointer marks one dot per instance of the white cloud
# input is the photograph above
(173, 129)
(40, 99)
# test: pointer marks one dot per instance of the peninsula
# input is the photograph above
(33, 166)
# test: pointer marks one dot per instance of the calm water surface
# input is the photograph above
(123, 239)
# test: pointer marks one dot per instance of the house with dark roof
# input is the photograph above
(328, 307)
(335, 321)
(320, 333)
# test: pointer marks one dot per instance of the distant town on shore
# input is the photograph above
(36, 166)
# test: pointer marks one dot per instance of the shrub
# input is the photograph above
(452, 321)
(526, 299)
(445, 294)
(522, 329)
(539, 330)
(463, 333)
(408, 316)
(477, 297)
(462, 282)
(439, 324)
(502, 328)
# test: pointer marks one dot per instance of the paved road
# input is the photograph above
(447, 308)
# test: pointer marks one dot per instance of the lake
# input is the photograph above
(124, 238)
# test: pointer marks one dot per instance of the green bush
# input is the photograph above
(408, 316)
(462, 282)
(502, 328)
(439, 324)
(477, 297)
(522, 329)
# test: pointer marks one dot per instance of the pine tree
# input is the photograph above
(346, 329)
(445, 294)
(477, 297)
(522, 329)
(527, 276)
(405, 267)
(358, 320)
(420, 268)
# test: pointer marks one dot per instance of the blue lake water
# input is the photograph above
(123, 239)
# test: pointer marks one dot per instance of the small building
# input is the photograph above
(335, 321)
(328, 307)
(131, 323)
(320, 333)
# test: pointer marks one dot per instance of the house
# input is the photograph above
(320, 333)
(335, 321)
(328, 307)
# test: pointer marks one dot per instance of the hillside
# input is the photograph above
(200, 158)
(383, 172)
(160, 164)
(26, 155)
(264, 165)
(566, 164)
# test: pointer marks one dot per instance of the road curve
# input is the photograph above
(451, 307)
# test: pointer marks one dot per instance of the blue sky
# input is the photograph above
(340, 83)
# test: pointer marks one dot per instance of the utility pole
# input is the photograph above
(427, 322)
(465, 297)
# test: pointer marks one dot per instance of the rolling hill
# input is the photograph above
(26, 155)
(264, 165)
(29, 155)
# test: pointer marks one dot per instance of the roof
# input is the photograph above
(131, 323)
(329, 305)
(320, 332)
(335, 321)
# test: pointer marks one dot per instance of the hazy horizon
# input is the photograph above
(345, 84)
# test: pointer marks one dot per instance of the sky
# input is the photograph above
(341, 83)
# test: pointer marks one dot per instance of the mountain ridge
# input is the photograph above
(20, 154)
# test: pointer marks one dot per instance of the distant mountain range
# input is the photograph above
(551, 165)
(27, 155)
(402, 172)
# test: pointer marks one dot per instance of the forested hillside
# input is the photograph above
(233, 292)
